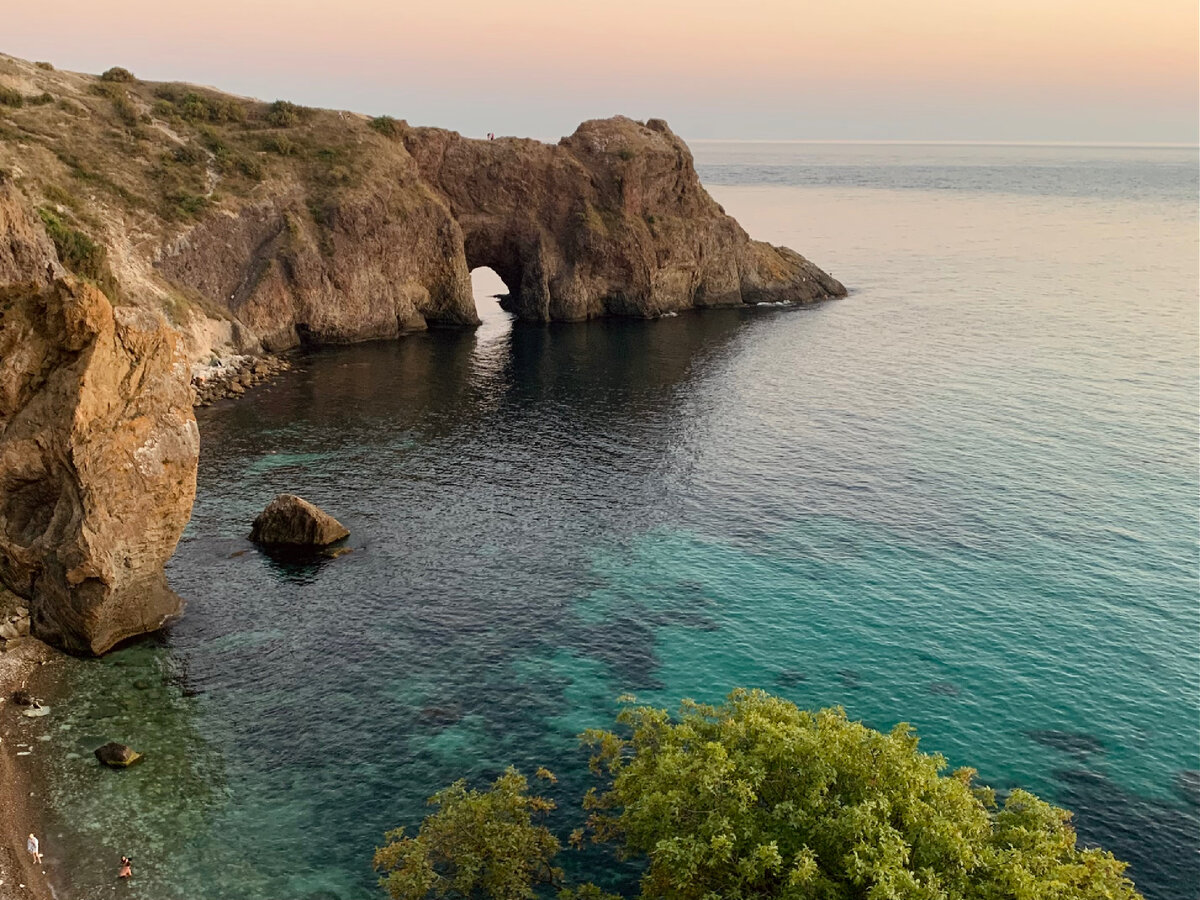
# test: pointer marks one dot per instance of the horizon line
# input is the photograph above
(963, 142)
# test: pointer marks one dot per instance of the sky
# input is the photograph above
(1020, 70)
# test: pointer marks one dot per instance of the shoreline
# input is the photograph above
(20, 877)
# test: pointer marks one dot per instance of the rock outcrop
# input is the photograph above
(291, 521)
(611, 221)
(98, 449)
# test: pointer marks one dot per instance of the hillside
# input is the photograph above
(258, 225)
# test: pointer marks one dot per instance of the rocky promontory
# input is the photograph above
(152, 232)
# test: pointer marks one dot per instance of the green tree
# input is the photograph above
(479, 844)
(756, 798)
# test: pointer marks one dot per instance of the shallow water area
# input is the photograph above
(962, 497)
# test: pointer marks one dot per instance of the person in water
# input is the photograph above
(126, 868)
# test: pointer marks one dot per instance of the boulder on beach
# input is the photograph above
(291, 521)
(117, 755)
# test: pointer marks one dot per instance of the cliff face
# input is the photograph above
(373, 261)
(98, 448)
(145, 226)
(611, 221)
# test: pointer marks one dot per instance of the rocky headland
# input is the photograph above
(160, 241)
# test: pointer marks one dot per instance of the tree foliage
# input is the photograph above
(755, 798)
(479, 844)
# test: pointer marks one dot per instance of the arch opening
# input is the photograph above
(488, 287)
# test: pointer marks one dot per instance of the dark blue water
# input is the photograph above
(965, 497)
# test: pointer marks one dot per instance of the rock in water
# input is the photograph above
(611, 221)
(291, 521)
(117, 755)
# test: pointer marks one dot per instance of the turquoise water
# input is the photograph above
(965, 497)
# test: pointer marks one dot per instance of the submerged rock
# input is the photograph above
(291, 521)
(942, 688)
(790, 678)
(117, 755)
(1075, 743)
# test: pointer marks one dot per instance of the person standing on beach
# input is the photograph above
(34, 850)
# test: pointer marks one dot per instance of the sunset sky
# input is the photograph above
(1055, 70)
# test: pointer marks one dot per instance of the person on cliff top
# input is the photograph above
(126, 868)
(34, 850)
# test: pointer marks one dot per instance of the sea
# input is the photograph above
(965, 497)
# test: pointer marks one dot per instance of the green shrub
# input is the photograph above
(125, 110)
(108, 89)
(41, 99)
(44, 65)
(283, 114)
(213, 141)
(193, 106)
(387, 126)
(11, 97)
(281, 145)
(56, 194)
(626, 154)
(89, 176)
(249, 167)
(190, 154)
(187, 206)
(79, 253)
(116, 73)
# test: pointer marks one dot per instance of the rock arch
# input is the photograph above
(612, 220)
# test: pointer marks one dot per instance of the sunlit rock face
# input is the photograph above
(98, 449)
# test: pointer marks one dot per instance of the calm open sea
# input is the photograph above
(965, 497)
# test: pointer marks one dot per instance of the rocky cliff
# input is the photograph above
(98, 448)
(611, 221)
(140, 221)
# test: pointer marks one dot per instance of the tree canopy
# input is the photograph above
(756, 798)
(478, 844)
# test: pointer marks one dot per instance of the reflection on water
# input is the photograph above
(961, 497)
